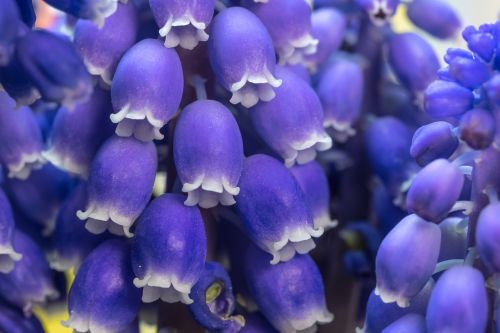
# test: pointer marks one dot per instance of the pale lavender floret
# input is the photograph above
(8, 255)
(406, 260)
(30, 282)
(102, 48)
(183, 22)
(146, 90)
(120, 185)
(289, 23)
(290, 295)
(273, 209)
(313, 181)
(21, 140)
(292, 123)
(242, 57)
(169, 250)
(488, 237)
(76, 135)
(340, 89)
(208, 154)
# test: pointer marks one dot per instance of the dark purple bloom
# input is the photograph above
(406, 260)
(12, 320)
(10, 22)
(433, 141)
(410, 323)
(464, 68)
(477, 128)
(208, 154)
(242, 56)
(8, 254)
(493, 90)
(16, 82)
(436, 17)
(488, 237)
(255, 323)
(103, 297)
(146, 103)
(480, 41)
(27, 11)
(94, 10)
(446, 98)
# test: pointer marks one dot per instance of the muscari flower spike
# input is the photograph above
(8, 255)
(12, 320)
(22, 143)
(435, 190)
(433, 141)
(453, 239)
(76, 135)
(406, 260)
(458, 302)
(120, 185)
(94, 10)
(447, 98)
(487, 236)
(410, 323)
(481, 41)
(380, 11)
(146, 103)
(71, 242)
(435, 17)
(102, 48)
(208, 154)
(169, 250)
(102, 297)
(292, 122)
(340, 89)
(30, 282)
(290, 295)
(314, 183)
(289, 24)
(54, 67)
(410, 48)
(213, 301)
(9, 21)
(183, 22)
(477, 128)
(242, 57)
(273, 209)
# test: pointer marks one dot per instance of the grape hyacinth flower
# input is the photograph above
(208, 154)
(406, 260)
(9, 21)
(447, 98)
(30, 282)
(169, 250)
(458, 302)
(120, 185)
(76, 135)
(242, 57)
(481, 41)
(54, 67)
(290, 294)
(340, 89)
(103, 297)
(487, 233)
(22, 143)
(433, 141)
(464, 68)
(314, 183)
(292, 123)
(17, 84)
(435, 17)
(477, 128)
(435, 190)
(102, 48)
(146, 103)
(411, 323)
(94, 10)
(8, 254)
(273, 209)
(213, 301)
(380, 11)
(183, 23)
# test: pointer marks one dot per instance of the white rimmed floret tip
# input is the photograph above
(8, 258)
(306, 151)
(99, 219)
(184, 31)
(28, 162)
(310, 321)
(391, 297)
(138, 123)
(252, 88)
(294, 241)
(65, 163)
(208, 193)
(296, 50)
(166, 287)
(105, 9)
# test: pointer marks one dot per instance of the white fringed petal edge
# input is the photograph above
(105, 73)
(295, 51)
(139, 123)
(82, 324)
(298, 240)
(99, 219)
(59, 263)
(324, 221)
(309, 323)
(306, 151)
(254, 87)
(104, 9)
(189, 35)
(168, 288)
(27, 162)
(46, 293)
(209, 193)
(65, 162)
(8, 258)
(388, 296)
(344, 128)
(379, 6)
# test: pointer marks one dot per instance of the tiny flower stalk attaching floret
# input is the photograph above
(22, 143)
(102, 297)
(146, 90)
(289, 24)
(406, 260)
(213, 301)
(30, 282)
(290, 295)
(94, 10)
(10, 21)
(8, 254)
(183, 23)
(169, 250)
(102, 48)
(273, 209)
(120, 185)
(292, 122)
(242, 57)
(208, 154)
